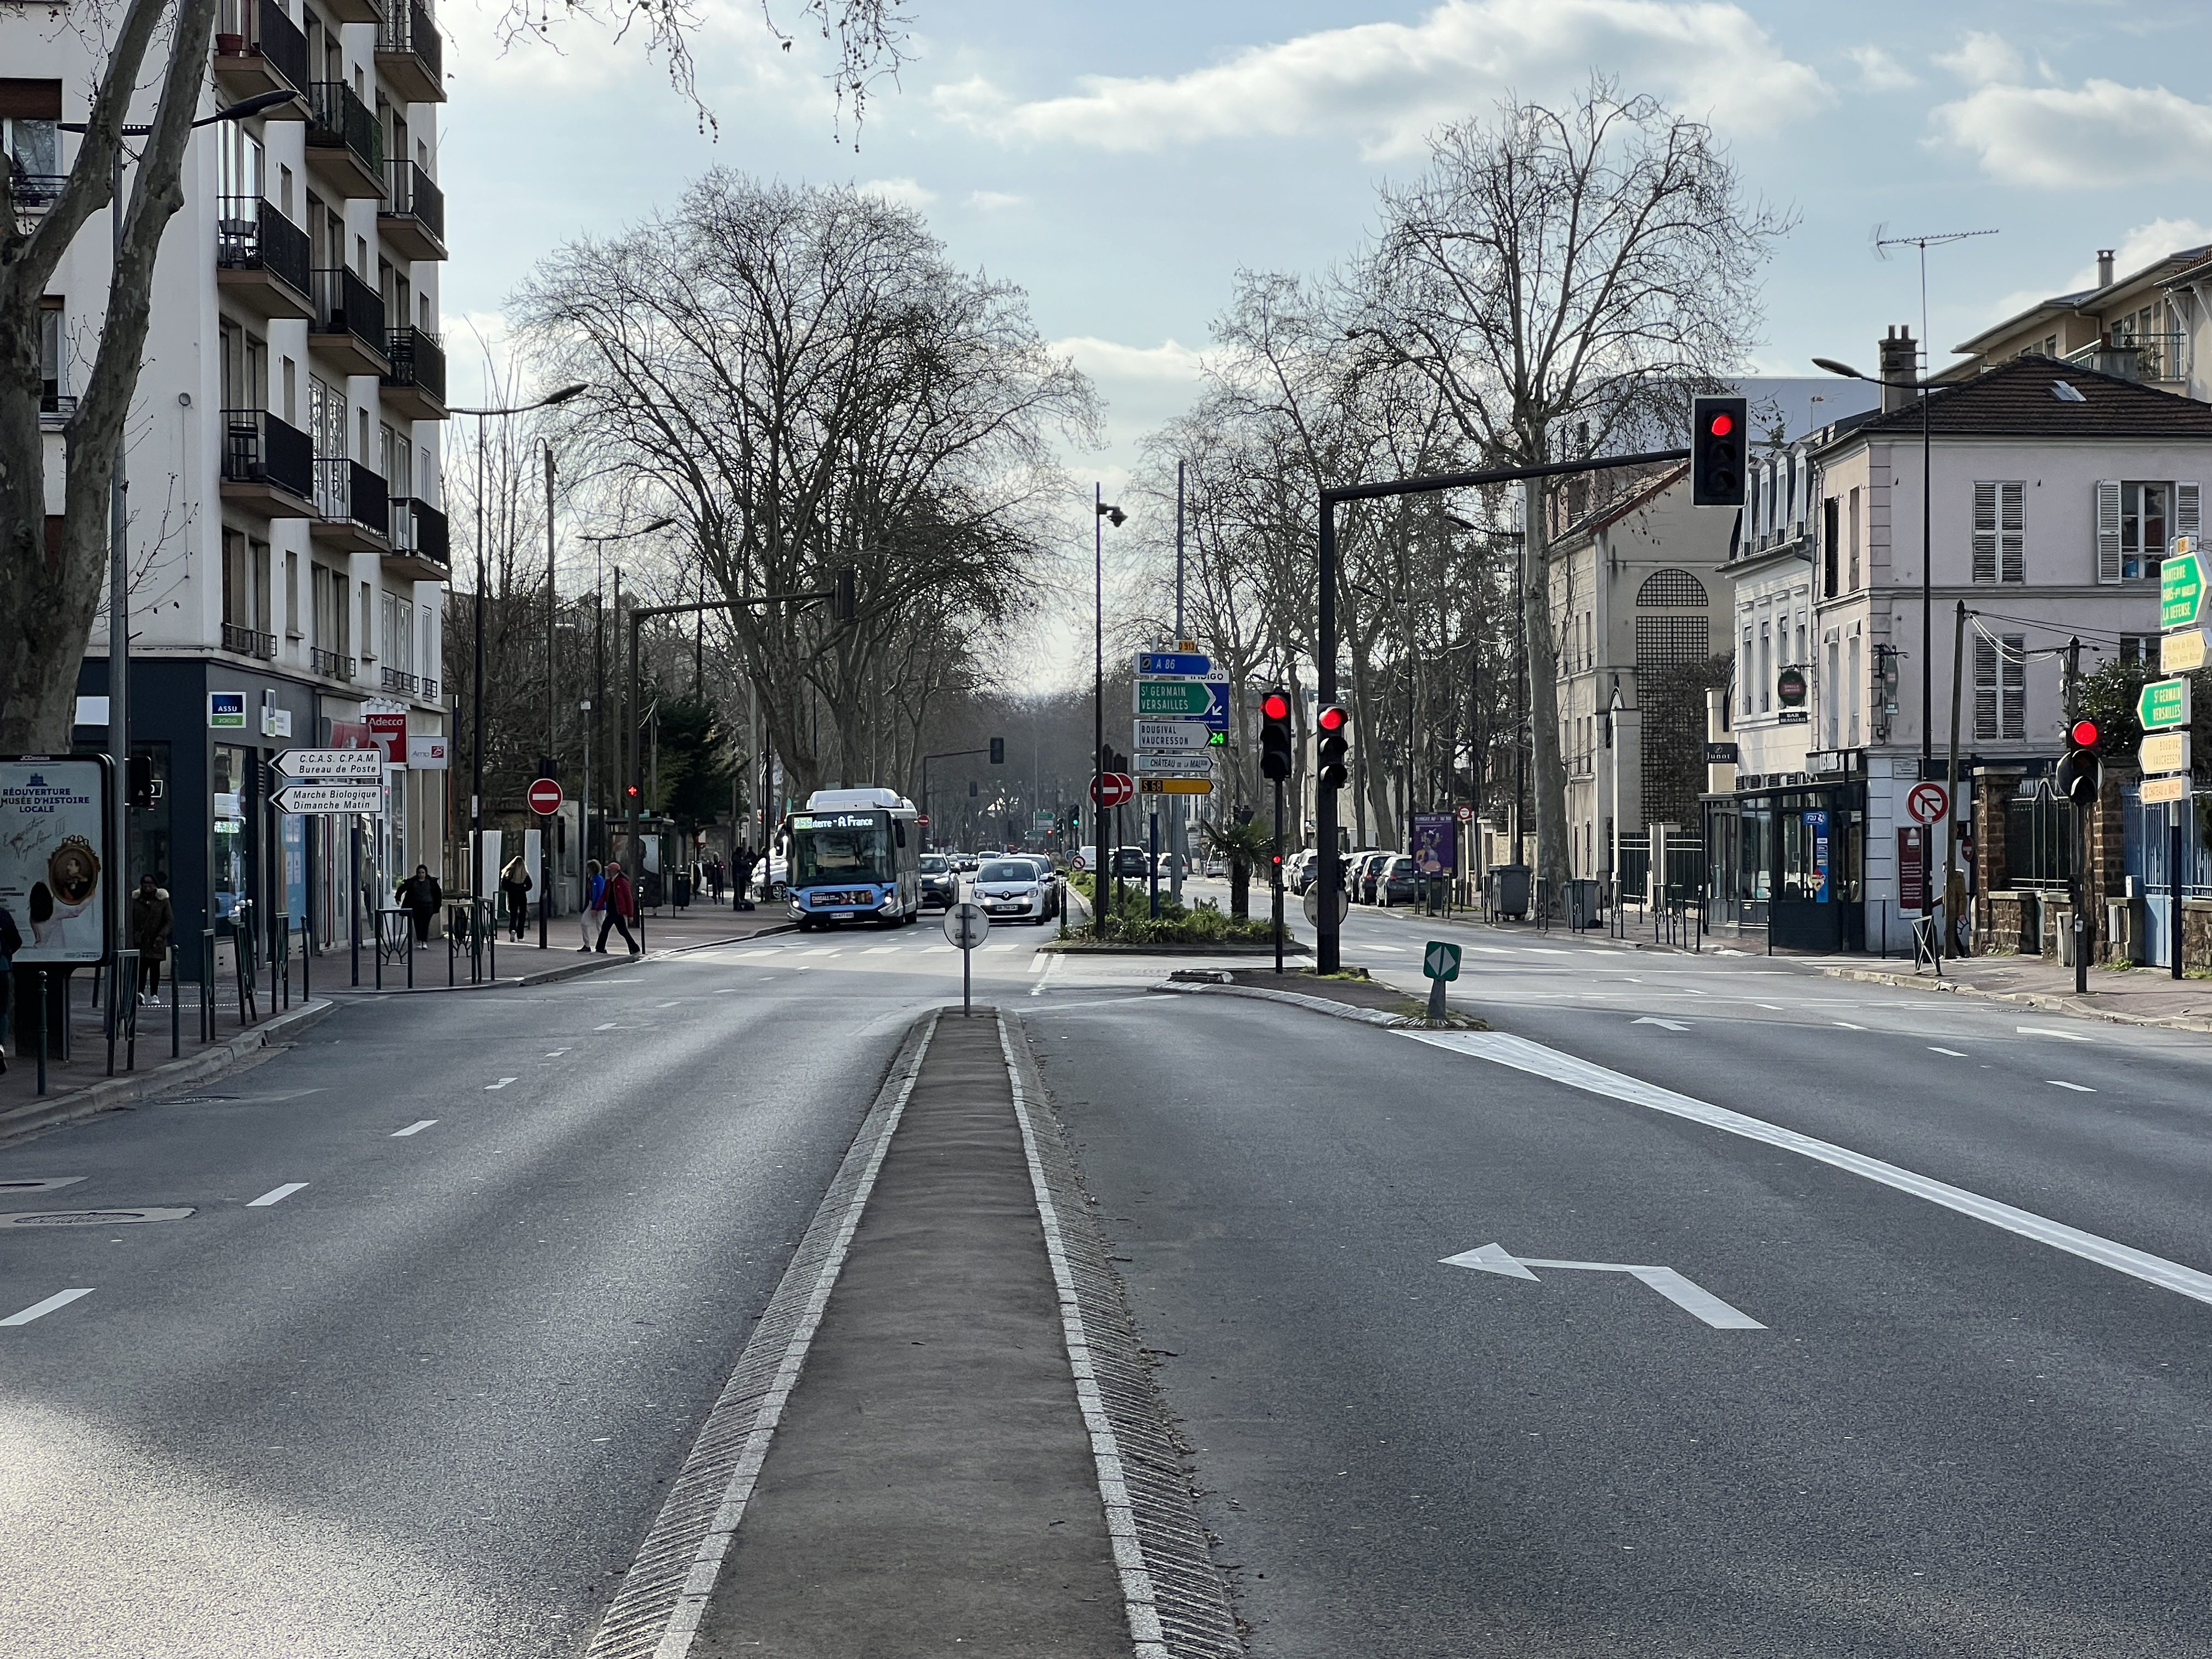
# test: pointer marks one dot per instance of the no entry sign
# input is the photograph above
(545, 798)
(1113, 788)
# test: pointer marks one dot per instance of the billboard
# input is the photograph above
(53, 880)
(1434, 851)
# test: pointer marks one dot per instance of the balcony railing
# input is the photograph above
(394, 680)
(338, 118)
(419, 537)
(330, 662)
(259, 27)
(417, 360)
(407, 28)
(346, 305)
(414, 195)
(2160, 356)
(252, 235)
(260, 449)
(248, 642)
(346, 492)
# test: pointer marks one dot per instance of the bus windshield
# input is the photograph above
(840, 846)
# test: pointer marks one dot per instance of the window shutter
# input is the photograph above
(1985, 532)
(2015, 669)
(1985, 690)
(2011, 531)
(2185, 497)
(2108, 530)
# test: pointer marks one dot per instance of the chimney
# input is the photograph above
(2104, 267)
(1900, 365)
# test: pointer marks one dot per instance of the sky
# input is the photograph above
(1122, 162)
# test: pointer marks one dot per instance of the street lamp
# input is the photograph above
(476, 767)
(1101, 514)
(598, 642)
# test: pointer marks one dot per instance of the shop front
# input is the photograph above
(1788, 859)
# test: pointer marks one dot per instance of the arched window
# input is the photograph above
(1677, 587)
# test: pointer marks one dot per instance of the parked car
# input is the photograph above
(1166, 863)
(1360, 881)
(1298, 871)
(1131, 862)
(1054, 889)
(940, 883)
(1011, 890)
(1398, 880)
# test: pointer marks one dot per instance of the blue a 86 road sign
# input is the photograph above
(1173, 662)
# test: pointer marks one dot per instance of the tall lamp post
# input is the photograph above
(1100, 513)
(476, 741)
(598, 659)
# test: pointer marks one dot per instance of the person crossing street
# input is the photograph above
(595, 893)
(621, 905)
(151, 918)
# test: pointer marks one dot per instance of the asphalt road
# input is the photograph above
(1946, 1438)
(397, 1393)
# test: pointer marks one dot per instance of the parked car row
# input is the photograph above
(1373, 875)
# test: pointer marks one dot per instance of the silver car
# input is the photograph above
(1011, 889)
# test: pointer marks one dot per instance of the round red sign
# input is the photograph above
(1113, 788)
(1928, 802)
(545, 798)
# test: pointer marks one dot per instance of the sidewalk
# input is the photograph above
(942, 1438)
(511, 964)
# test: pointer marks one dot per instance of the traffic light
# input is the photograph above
(2081, 774)
(1275, 735)
(1334, 721)
(142, 783)
(847, 603)
(997, 752)
(1716, 451)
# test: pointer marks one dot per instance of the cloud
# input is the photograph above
(1879, 72)
(1391, 82)
(900, 192)
(1984, 60)
(2052, 137)
(990, 201)
(1109, 360)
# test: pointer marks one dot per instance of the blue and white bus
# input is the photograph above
(855, 856)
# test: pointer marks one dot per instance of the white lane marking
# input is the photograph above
(2078, 1088)
(1533, 1058)
(415, 1128)
(825, 951)
(1671, 1024)
(1039, 961)
(40, 1309)
(1048, 965)
(1548, 950)
(1953, 1053)
(609, 1026)
(727, 990)
(502, 1084)
(556, 1054)
(1491, 950)
(2045, 1030)
(928, 949)
(670, 1005)
(275, 1195)
(1846, 1025)
(1772, 1007)
(1400, 949)
(1685, 1293)
(880, 951)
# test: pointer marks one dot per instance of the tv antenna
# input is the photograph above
(1881, 245)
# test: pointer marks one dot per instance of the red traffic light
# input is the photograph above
(1722, 426)
(1275, 706)
(2083, 734)
(631, 792)
(1333, 719)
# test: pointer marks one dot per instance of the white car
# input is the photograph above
(1011, 890)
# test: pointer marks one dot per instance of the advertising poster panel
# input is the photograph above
(54, 879)
(1433, 852)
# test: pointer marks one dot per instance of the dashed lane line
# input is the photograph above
(275, 1195)
(502, 1084)
(415, 1128)
(1953, 1053)
(40, 1309)
(2078, 1088)
(2046, 1030)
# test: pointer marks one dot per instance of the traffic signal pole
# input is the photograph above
(1327, 942)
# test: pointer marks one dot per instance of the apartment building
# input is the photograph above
(288, 551)
(2153, 316)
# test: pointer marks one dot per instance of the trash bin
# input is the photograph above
(683, 889)
(1581, 902)
(1509, 890)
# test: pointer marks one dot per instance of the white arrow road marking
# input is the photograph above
(275, 1195)
(1535, 1059)
(1671, 1024)
(413, 1129)
(502, 1084)
(2045, 1030)
(1690, 1297)
(40, 1309)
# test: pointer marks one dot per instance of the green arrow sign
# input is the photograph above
(2163, 703)
(1173, 697)
(2180, 590)
(1440, 960)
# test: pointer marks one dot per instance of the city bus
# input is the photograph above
(855, 856)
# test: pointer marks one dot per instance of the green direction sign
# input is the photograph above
(2163, 703)
(2180, 590)
(1182, 698)
(1440, 960)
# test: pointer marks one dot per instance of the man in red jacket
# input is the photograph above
(622, 905)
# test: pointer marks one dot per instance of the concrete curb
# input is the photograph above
(37, 1117)
(1298, 999)
(2057, 1005)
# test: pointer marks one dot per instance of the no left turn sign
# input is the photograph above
(1928, 803)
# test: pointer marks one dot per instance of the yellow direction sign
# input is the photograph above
(2156, 790)
(2183, 651)
(2167, 751)
(1175, 786)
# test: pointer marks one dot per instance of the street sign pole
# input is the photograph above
(1275, 875)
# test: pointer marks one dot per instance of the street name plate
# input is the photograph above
(1200, 765)
(2183, 651)
(2163, 703)
(2156, 790)
(2167, 752)
(2181, 590)
(1153, 736)
(330, 765)
(342, 797)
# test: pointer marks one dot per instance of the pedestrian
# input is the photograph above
(422, 898)
(621, 906)
(514, 885)
(741, 867)
(715, 872)
(151, 918)
(595, 890)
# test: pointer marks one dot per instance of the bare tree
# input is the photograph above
(1565, 279)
